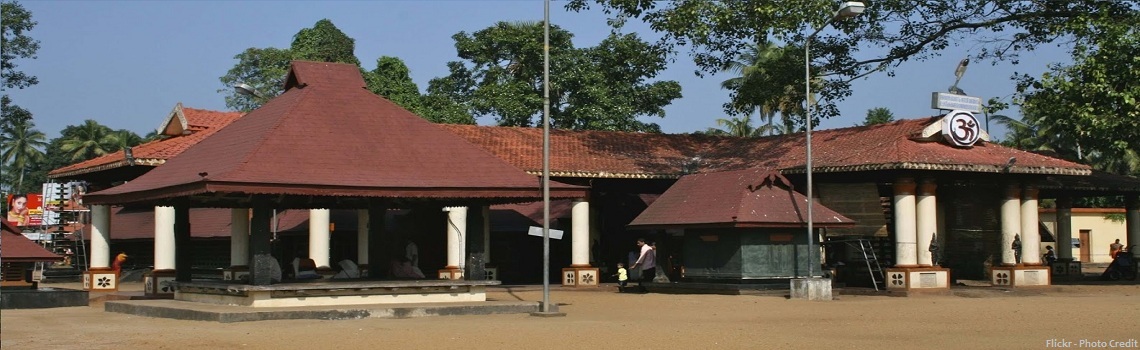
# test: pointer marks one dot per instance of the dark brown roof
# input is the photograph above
(741, 198)
(607, 154)
(329, 136)
(18, 248)
(183, 128)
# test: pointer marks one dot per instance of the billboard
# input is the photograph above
(26, 209)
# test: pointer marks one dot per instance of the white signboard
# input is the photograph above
(537, 231)
(942, 100)
(961, 129)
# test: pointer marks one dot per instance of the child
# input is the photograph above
(622, 276)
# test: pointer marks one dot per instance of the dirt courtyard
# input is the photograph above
(973, 318)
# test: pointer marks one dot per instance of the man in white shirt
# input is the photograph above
(648, 263)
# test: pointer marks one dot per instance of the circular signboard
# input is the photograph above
(960, 128)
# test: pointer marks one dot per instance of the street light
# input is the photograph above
(245, 89)
(846, 10)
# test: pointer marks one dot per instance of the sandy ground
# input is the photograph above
(973, 318)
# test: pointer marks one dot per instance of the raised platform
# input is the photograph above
(185, 310)
(1020, 276)
(44, 297)
(916, 278)
(332, 292)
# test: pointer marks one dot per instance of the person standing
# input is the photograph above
(1114, 249)
(648, 263)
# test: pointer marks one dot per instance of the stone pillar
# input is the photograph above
(100, 237)
(1064, 246)
(456, 229)
(319, 238)
(1010, 223)
(183, 252)
(1132, 223)
(261, 262)
(905, 226)
(164, 238)
(1030, 234)
(580, 273)
(156, 282)
(239, 245)
(926, 220)
(362, 237)
(580, 233)
(99, 275)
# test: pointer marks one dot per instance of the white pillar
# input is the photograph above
(580, 233)
(101, 237)
(1010, 223)
(486, 212)
(319, 237)
(164, 238)
(904, 212)
(926, 220)
(456, 232)
(239, 237)
(1030, 234)
(362, 236)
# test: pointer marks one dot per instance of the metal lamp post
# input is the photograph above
(846, 10)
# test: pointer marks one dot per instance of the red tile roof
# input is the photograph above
(329, 136)
(200, 123)
(18, 248)
(893, 145)
(742, 198)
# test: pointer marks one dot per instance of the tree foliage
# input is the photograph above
(878, 115)
(88, 140)
(21, 145)
(755, 89)
(1095, 102)
(605, 87)
(739, 127)
(324, 42)
(263, 69)
(392, 79)
(16, 44)
(716, 32)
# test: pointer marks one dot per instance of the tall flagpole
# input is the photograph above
(546, 158)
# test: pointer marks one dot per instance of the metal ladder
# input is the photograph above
(80, 260)
(873, 267)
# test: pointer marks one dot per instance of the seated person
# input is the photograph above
(402, 268)
(306, 269)
(348, 269)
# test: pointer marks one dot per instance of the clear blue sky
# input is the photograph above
(126, 64)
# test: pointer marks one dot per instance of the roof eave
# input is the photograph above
(976, 168)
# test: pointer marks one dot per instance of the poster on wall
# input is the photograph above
(26, 209)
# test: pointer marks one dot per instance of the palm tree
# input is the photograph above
(756, 88)
(87, 141)
(124, 138)
(739, 127)
(20, 145)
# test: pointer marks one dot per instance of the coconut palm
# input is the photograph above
(757, 88)
(88, 140)
(740, 127)
(21, 145)
(124, 138)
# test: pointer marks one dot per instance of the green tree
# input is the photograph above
(717, 32)
(87, 140)
(263, 69)
(324, 42)
(16, 44)
(878, 115)
(1095, 101)
(739, 127)
(597, 88)
(392, 79)
(21, 144)
(124, 138)
(754, 90)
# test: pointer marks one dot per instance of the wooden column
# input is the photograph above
(261, 257)
(183, 252)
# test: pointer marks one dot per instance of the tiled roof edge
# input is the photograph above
(108, 166)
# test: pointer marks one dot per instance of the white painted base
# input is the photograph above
(906, 278)
(811, 288)
(1020, 276)
(450, 274)
(580, 277)
(235, 274)
(264, 298)
(158, 283)
(101, 280)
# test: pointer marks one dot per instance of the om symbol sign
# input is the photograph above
(961, 128)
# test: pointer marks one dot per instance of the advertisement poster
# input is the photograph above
(26, 209)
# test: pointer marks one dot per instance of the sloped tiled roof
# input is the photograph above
(18, 248)
(602, 154)
(741, 198)
(200, 123)
(329, 136)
